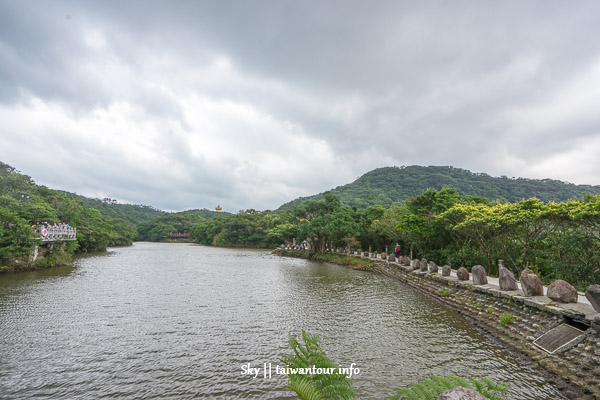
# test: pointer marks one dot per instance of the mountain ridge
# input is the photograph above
(389, 186)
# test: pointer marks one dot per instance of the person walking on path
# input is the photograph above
(397, 250)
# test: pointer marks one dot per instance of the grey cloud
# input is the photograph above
(434, 82)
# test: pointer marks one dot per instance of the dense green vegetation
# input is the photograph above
(23, 203)
(159, 228)
(249, 228)
(309, 356)
(324, 221)
(557, 240)
(334, 258)
(14, 236)
(110, 208)
(392, 185)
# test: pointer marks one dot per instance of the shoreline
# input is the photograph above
(575, 371)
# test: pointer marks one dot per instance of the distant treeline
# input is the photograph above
(160, 228)
(99, 223)
(557, 240)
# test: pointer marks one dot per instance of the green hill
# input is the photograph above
(23, 204)
(135, 213)
(391, 185)
(159, 228)
(99, 222)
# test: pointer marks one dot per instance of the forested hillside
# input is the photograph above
(391, 185)
(555, 239)
(23, 203)
(134, 213)
(159, 228)
(100, 222)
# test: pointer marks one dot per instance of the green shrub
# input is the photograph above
(436, 385)
(506, 319)
(315, 386)
(339, 386)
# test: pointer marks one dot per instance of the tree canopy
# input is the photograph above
(555, 239)
(24, 203)
(392, 185)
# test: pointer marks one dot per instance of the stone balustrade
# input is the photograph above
(533, 310)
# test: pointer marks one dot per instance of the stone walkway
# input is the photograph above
(583, 305)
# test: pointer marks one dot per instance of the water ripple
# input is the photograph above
(177, 321)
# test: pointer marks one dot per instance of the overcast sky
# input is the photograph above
(253, 103)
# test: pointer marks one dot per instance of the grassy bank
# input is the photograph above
(335, 258)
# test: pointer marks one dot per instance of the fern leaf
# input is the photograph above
(304, 388)
(423, 391)
(406, 394)
(495, 386)
(477, 384)
(434, 386)
(458, 381)
(334, 386)
(430, 389)
(447, 383)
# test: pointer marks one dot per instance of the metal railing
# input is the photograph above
(174, 235)
(54, 233)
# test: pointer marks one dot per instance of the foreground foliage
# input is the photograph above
(430, 389)
(556, 240)
(316, 386)
(23, 203)
(335, 385)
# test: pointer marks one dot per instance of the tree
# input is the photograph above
(418, 226)
(38, 210)
(15, 236)
(329, 222)
(475, 229)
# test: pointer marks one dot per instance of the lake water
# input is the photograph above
(178, 321)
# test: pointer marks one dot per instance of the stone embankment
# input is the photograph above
(511, 312)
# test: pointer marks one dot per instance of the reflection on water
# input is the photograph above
(177, 321)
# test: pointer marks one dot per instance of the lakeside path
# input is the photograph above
(580, 310)
(571, 346)
(582, 306)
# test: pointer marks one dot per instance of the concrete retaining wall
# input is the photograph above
(575, 368)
